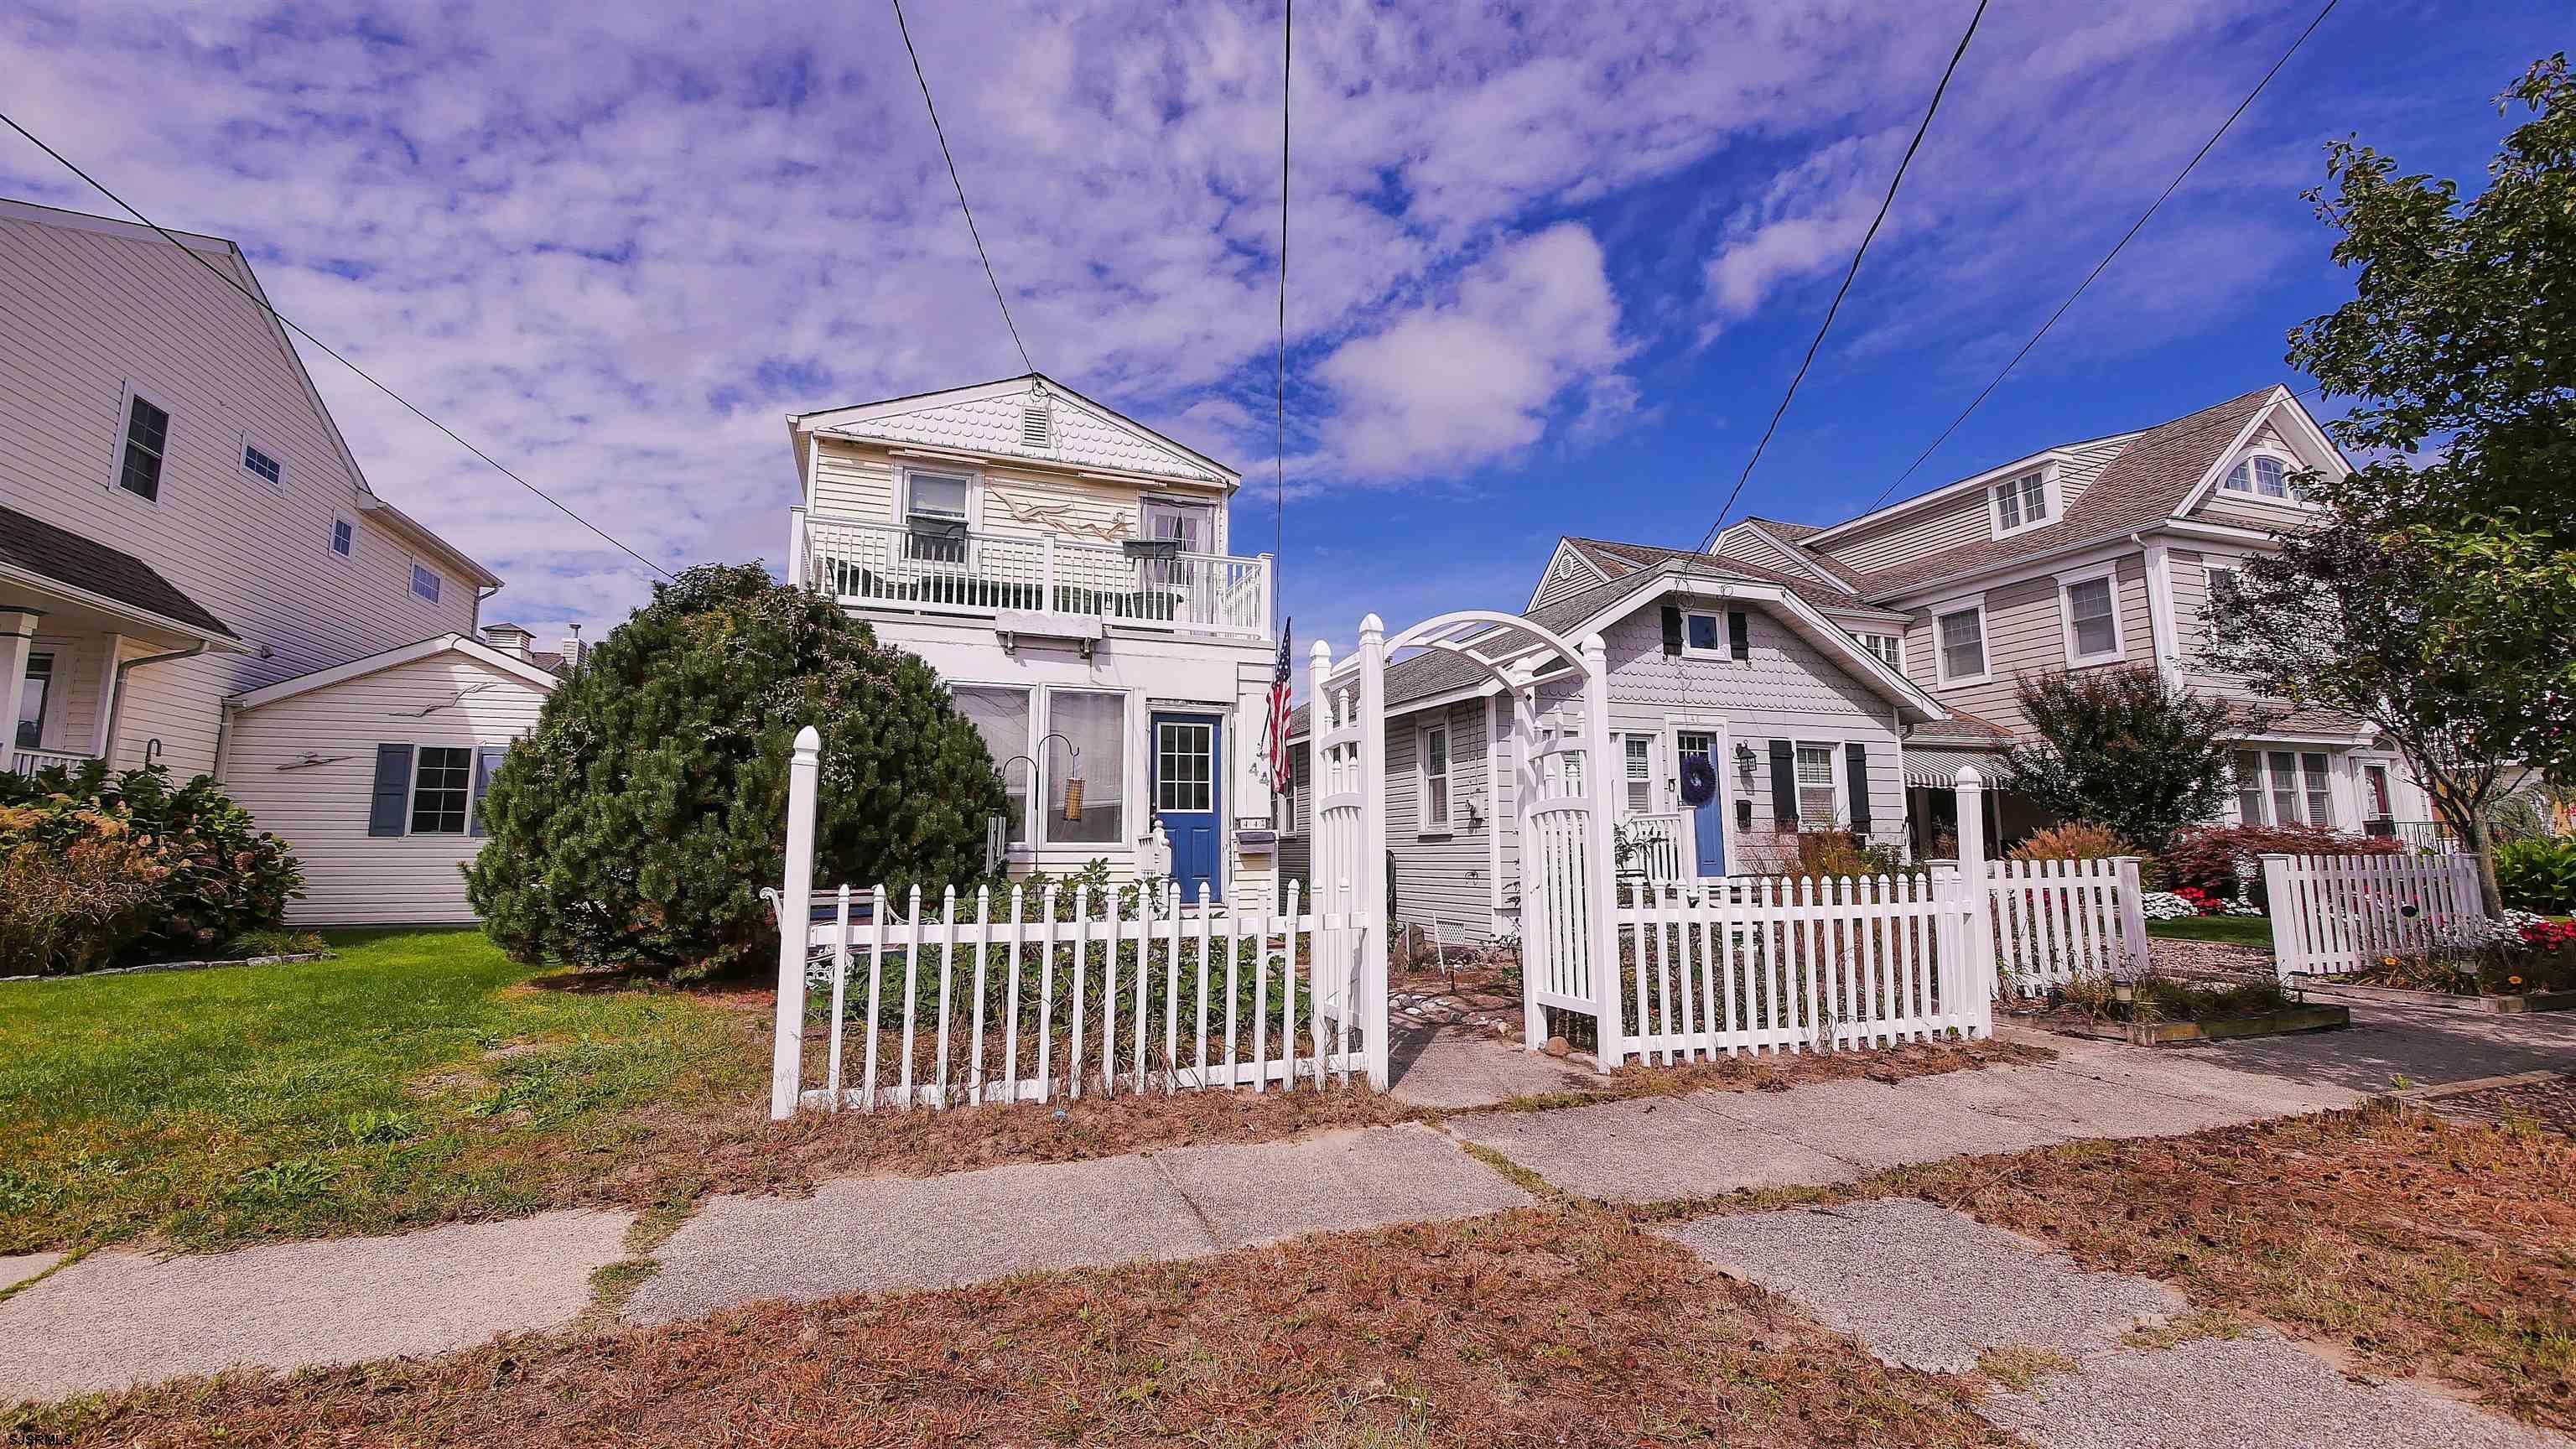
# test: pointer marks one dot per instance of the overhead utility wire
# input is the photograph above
(1279, 455)
(927, 105)
(1839, 292)
(327, 350)
(2134, 228)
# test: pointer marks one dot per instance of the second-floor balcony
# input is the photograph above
(975, 572)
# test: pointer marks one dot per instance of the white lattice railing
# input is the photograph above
(974, 571)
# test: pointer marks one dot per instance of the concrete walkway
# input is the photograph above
(118, 1318)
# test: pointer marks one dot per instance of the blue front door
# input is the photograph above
(1189, 796)
(1709, 819)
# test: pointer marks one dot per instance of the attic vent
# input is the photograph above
(1034, 429)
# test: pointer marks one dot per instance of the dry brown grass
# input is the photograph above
(1541, 1327)
(1779, 1073)
(2415, 1245)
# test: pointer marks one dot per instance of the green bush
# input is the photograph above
(637, 824)
(109, 869)
(2538, 873)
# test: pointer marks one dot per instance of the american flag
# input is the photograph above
(1274, 742)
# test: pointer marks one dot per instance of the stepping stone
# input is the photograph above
(1923, 1287)
(115, 1319)
(1879, 1125)
(2258, 1392)
(1347, 1181)
(1652, 1149)
(2074, 1104)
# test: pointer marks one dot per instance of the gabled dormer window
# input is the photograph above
(2023, 503)
(2263, 475)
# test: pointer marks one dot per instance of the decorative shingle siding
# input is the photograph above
(1078, 437)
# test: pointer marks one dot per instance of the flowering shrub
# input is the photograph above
(2546, 935)
(2074, 840)
(2166, 906)
(2221, 859)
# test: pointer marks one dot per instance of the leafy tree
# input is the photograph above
(2437, 595)
(637, 824)
(2124, 749)
(2457, 352)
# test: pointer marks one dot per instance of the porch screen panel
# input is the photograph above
(1097, 725)
(1001, 716)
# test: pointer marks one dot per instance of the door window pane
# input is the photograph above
(2284, 765)
(2375, 793)
(438, 790)
(2319, 784)
(2249, 788)
(1184, 766)
(2088, 609)
(1001, 716)
(1083, 797)
(1191, 524)
(31, 703)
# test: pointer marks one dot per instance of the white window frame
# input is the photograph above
(2341, 805)
(974, 492)
(1650, 739)
(1869, 639)
(1836, 773)
(1725, 646)
(1032, 804)
(411, 796)
(1423, 824)
(57, 657)
(331, 540)
(2066, 585)
(1941, 674)
(1134, 800)
(2291, 467)
(241, 460)
(124, 426)
(437, 580)
(2046, 477)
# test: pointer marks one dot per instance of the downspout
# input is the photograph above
(116, 706)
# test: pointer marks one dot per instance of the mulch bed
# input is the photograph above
(2207, 960)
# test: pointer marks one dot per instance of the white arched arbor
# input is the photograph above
(1568, 951)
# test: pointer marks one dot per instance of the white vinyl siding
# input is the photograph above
(305, 767)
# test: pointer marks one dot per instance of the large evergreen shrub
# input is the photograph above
(637, 824)
(2122, 748)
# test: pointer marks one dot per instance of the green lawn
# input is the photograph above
(417, 1077)
(2233, 930)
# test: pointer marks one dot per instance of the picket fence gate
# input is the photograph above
(2333, 914)
(2056, 921)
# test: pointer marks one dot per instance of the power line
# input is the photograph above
(1279, 455)
(1839, 292)
(2134, 228)
(926, 104)
(327, 350)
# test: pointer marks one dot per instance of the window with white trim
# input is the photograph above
(1816, 800)
(344, 538)
(1962, 637)
(1086, 796)
(442, 780)
(1637, 774)
(2285, 787)
(2263, 475)
(1001, 715)
(941, 496)
(147, 440)
(1432, 754)
(260, 463)
(1890, 648)
(2092, 618)
(425, 583)
(2021, 503)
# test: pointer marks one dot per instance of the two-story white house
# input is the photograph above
(1067, 571)
(2099, 553)
(186, 540)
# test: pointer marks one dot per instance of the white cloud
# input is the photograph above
(1460, 382)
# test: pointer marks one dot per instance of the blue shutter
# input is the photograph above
(486, 760)
(386, 809)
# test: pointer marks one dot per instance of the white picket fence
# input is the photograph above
(2333, 914)
(2058, 920)
(1796, 964)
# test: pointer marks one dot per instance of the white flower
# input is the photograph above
(2165, 906)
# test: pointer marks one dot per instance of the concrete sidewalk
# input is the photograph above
(120, 1317)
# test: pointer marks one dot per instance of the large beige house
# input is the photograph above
(2093, 554)
(186, 541)
(1067, 571)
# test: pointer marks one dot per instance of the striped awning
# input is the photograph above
(1934, 768)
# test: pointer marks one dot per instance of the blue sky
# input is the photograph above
(1550, 266)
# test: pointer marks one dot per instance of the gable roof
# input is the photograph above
(47, 553)
(985, 418)
(1619, 560)
(394, 658)
(2150, 478)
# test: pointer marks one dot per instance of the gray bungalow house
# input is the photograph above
(1782, 686)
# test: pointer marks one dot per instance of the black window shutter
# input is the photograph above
(393, 790)
(1739, 634)
(1856, 757)
(1784, 783)
(486, 760)
(1672, 629)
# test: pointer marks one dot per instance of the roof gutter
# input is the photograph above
(104, 604)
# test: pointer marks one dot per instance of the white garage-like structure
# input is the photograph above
(374, 772)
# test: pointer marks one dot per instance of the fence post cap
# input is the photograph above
(1968, 777)
(2274, 855)
(1320, 652)
(1372, 624)
(809, 741)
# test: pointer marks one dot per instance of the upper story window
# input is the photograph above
(2022, 503)
(941, 496)
(424, 583)
(1890, 648)
(2092, 614)
(344, 538)
(147, 439)
(1962, 638)
(260, 463)
(2263, 476)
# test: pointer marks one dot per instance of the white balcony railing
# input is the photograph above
(976, 572)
